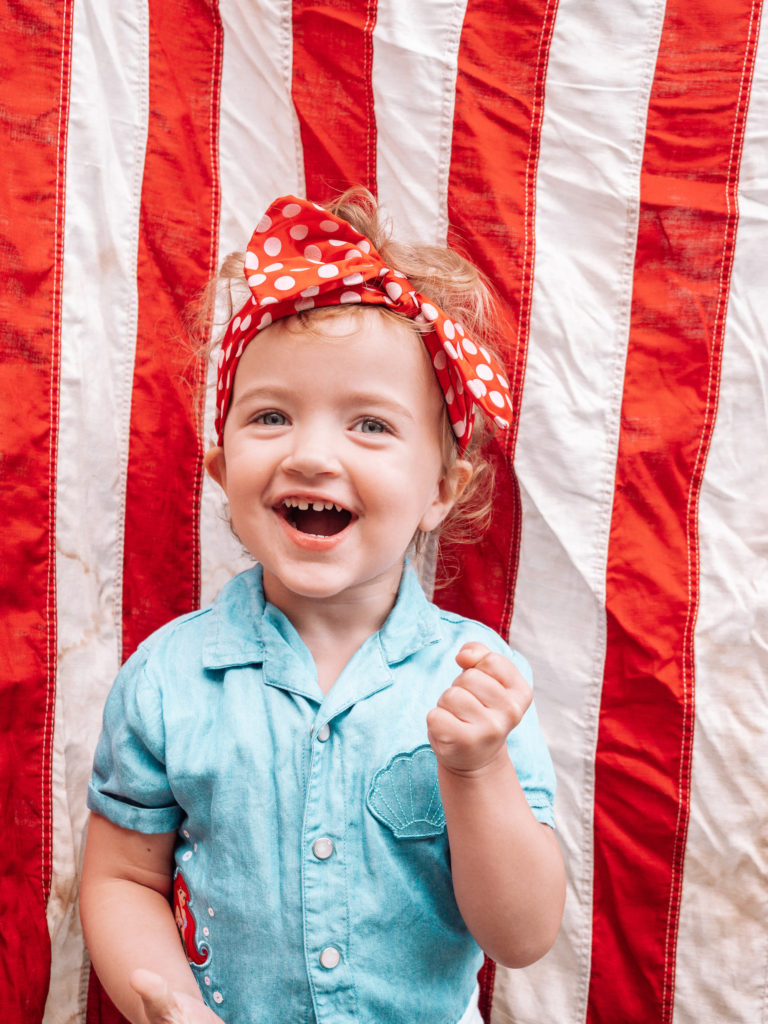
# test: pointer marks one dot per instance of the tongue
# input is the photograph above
(323, 524)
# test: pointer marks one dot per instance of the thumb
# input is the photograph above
(160, 1004)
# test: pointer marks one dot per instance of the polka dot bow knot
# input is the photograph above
(302, 256)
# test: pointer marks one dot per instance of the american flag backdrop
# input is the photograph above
(606, 163)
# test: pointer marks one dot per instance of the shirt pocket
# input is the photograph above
(405, 795)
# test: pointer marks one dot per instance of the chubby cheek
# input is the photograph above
(250, 530)
(243, 492)
(245, 475)
(411, 509)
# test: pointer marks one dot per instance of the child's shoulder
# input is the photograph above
(188, 636)
(462, 620)
(458, 630)
(172, 651)
(178, 630)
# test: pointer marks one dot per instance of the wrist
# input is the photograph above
(496, 764)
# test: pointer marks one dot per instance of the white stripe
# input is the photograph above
(472, 1013)
(259, 142)
(722, 945)
(598, 83)
(415, 62)
(260, 158)
(105, 158)
(415, 57)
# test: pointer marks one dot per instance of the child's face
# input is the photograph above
(345, 417)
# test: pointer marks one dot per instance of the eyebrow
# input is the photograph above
(257, 390)
(376, 399)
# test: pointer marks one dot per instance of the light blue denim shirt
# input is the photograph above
(313, 882)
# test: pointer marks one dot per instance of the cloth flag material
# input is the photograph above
(605, 164)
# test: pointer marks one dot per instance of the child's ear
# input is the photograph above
(215, 465)
(449, 490)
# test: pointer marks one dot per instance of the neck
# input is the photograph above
(334, 628)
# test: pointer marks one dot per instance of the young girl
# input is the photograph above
(297, 781)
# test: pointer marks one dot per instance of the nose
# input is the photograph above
(312, 453)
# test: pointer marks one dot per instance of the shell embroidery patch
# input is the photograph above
(405, 796)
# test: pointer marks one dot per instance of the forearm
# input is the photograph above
(508, 874)
(127, 919)
(127, 926)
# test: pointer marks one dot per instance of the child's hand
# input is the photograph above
(469, 727)
(162, 1006)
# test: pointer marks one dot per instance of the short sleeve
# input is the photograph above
(531, 757)
(129, 785)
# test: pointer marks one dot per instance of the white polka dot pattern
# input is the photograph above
(325, 262)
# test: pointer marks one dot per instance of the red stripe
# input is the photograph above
(177, 256)
(486, 978)
(491, 206)
(684, 257)
(333, 94)
(34, 94)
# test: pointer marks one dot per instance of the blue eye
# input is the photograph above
(271, 418)
(370, 425)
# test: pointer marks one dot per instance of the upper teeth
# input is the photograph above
(316, 506)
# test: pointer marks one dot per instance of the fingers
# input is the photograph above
(471, 653)
(493, 679)
(160, 1004)
(500, 666)
(476, 710)
(469, 726)
(464, 747)
(476, 696)
(450, 734)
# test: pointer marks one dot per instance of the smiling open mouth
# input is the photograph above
(320, 518)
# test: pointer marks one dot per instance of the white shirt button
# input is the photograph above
(330, 957)
(322, 848)
(324, 732)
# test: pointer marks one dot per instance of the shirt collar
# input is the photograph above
(243, 626)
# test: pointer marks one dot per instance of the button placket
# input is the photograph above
(324, 892)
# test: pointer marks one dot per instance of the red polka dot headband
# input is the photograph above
(302, 256)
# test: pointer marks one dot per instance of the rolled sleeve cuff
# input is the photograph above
(543, 812)
(150, 820)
